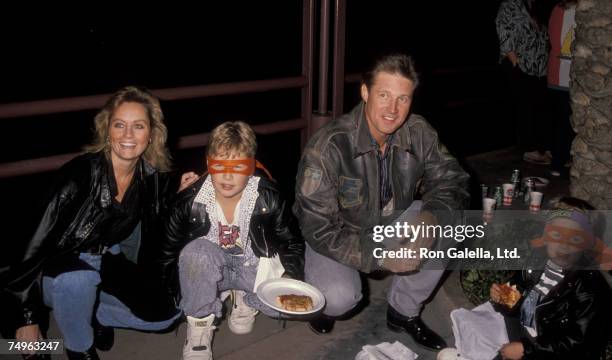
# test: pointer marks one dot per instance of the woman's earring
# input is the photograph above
(150, 140)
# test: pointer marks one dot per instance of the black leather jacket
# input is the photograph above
(573, 320)
(337, 191)
(272, 231)
(74, 206)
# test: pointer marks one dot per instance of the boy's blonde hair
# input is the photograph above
(234, 137)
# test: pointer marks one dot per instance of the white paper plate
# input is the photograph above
(268, 290)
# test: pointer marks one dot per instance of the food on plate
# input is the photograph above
(294, 302)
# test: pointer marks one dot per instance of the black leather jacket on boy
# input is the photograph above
(573, 320)
(272, 231)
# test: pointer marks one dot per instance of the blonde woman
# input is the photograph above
(85, 259)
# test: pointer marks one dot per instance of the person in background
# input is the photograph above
(523, 47)
(561, 27)
(90, 252)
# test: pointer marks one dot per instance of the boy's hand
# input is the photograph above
(512, 351)
(495, 293)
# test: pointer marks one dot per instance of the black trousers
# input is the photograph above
(527, 104)
(563, 134)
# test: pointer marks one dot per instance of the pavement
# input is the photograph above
(272, 339)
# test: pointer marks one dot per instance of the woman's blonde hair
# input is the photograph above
(156, 154)
(232, 137)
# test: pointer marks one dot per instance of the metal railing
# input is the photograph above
(308, 123)
(304, 82)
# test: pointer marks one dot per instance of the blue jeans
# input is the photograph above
(205, 270)
(341, 284)
(72, 296)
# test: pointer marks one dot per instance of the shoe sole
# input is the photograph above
(399, 329)
(395, 328)
(537, 162)
(239, 331)
(317, 332)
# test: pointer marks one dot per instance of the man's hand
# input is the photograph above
(187, 179)
(397, 266)
(513, 58)
(512, 351)
(28, 333)
(405, 265)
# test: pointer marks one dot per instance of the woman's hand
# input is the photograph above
(28, 333)
(187, 179)
(512, 351)
(513, 58)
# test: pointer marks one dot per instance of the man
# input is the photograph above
(354, 172)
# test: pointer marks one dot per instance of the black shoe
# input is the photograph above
(416, 328)
(90, 354)
(322, 324)
(104, 336)
(37, 357)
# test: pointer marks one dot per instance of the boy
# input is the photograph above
(563, 312)
(222, 226)
(563, 309)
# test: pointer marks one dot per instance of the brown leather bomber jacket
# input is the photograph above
(337, 190)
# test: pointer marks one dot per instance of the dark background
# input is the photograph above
(75, 52)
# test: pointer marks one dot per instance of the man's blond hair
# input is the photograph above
(234, 137)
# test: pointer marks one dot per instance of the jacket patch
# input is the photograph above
(311, 180)
(349, 192)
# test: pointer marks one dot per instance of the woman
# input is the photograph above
(523, 47)
(85, 256)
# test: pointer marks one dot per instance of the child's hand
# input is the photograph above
(512, 351)
(495, 293)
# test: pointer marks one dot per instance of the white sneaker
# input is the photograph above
(450, 354)
(199, 337)
(242, 317)
(225, 294)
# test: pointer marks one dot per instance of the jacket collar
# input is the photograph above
(108, 186)
(363, 139)
(147, 169)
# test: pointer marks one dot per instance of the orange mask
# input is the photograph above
(579, 239)
(242, 167)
